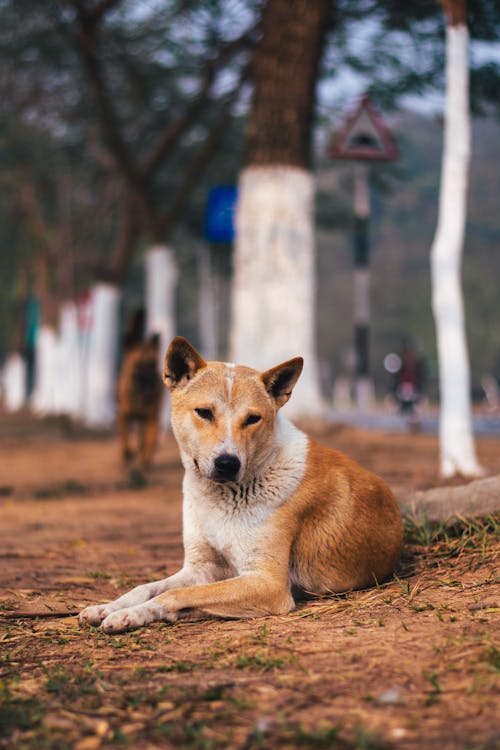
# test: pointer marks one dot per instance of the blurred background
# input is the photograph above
(118, 118)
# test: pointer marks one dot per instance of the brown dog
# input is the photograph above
(266, 509)
(140, 394)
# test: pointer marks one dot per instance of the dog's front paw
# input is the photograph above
(93, 615)
(135, 617)
(125, 619)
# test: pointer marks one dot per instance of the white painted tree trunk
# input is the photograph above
(455, 429)
(70, 381)
(47, 377)
(100, 386)
(208, 305)
(14, 382)
(273, 302)
(161, 280)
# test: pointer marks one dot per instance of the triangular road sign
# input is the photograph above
(364, 136)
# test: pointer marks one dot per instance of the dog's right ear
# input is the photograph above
(182, 361)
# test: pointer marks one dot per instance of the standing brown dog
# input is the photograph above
(140, 394)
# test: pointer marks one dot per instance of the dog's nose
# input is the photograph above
(226, 467)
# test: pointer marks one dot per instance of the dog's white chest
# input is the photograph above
(232, 518)
(235, 535)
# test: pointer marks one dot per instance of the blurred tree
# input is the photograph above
(132, 88)
(273, 291)
(455, 428)
(140, 148)
(139, 94)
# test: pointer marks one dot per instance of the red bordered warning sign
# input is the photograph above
(364, 136)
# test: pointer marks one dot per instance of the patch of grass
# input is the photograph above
(324, 735)
(492, 657)
(434, 694)
(179, 666)
(119, 738)
(99, 575)
(262, 634)
(17, 713)
(214, 693)
(71, 685)
(319, 737)
(191, 736)
(61, 489)
(464, 533)
(257, 661)
(58, 680)
(364, 740)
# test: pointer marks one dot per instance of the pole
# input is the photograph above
(364, 395)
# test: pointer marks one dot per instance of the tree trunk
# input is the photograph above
(13, 376)
(274, 267)
(14, 382)
(70, 356)
(208, 304)
(44, 396)
(100, 386)
(161, 280)
(455, 429)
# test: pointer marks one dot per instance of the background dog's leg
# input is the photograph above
(124, 431)
(148, 437)
(249, 595)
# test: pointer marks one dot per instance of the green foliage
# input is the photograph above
(17, 712)
(492, 658)
(454, 537)
(259, 661)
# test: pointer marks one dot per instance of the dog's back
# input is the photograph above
(139, 387)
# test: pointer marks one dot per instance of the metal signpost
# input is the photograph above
(219, 229)
(363, 137)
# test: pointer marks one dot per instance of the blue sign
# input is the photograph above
(219, 217)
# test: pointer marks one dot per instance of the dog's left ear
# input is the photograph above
(280, 380)
(182, 361)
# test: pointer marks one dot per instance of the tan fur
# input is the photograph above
(293, 515)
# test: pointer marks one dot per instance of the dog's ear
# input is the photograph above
(182, 361)
(280, 380)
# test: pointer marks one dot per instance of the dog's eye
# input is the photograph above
(252, 419)
(205, 414)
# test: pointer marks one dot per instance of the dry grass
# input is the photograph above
(398, 665)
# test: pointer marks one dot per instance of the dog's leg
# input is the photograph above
(124, 432)
(249, 595)
(95, 614)
(149, 434)
(201, 565)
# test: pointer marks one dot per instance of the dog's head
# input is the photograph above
(223, 415)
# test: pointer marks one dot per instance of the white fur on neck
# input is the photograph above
(227, 514)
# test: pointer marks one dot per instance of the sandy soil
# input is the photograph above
(412, 664)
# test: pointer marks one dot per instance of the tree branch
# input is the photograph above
(109, 125)
(200, 161)
(174, 130)
(125, 244)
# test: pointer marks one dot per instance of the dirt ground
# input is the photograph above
(414, 663)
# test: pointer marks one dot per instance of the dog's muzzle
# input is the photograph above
(226, 468)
